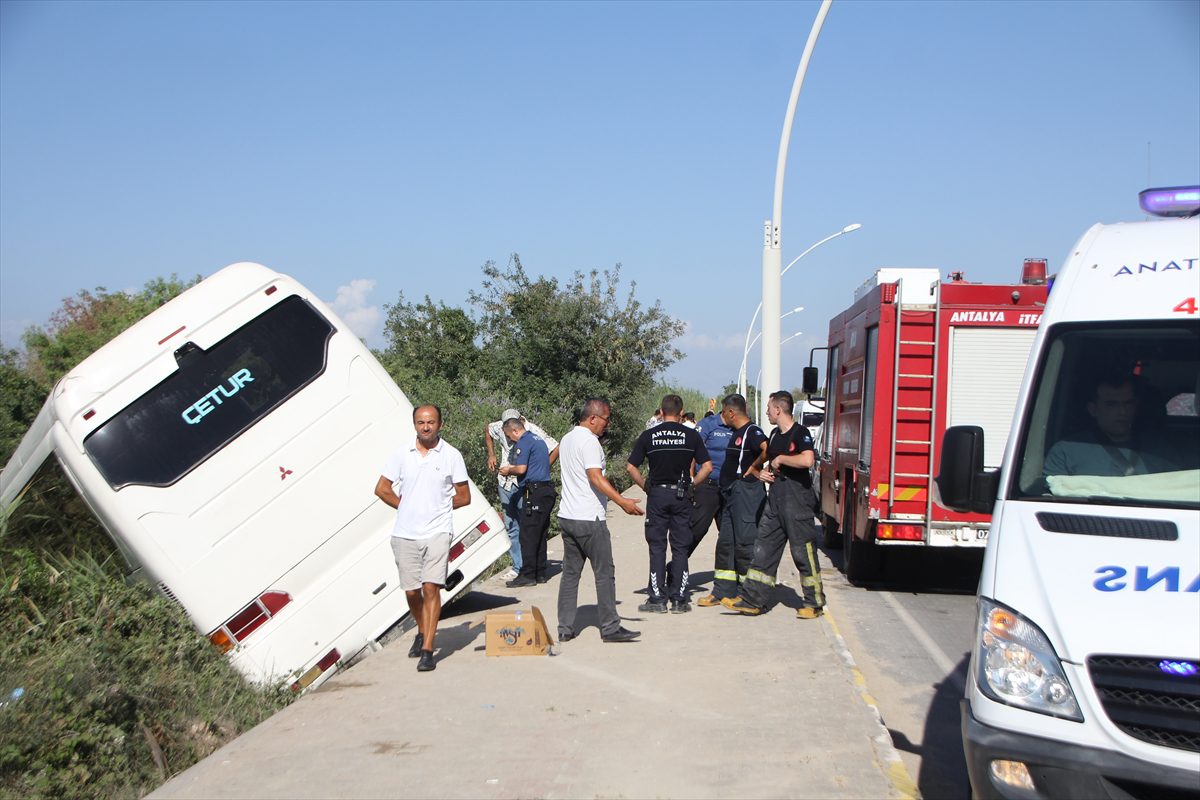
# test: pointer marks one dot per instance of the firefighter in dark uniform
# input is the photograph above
(671, 448)
(530, 461)
(742, 498)
(789, 517)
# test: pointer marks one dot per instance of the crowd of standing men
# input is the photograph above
(756, 486)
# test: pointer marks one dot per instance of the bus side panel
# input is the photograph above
(357, 604)
(278, 505)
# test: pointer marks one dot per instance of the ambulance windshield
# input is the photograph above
(1114, 417)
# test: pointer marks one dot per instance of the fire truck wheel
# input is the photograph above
(830, 536)
(863, 560)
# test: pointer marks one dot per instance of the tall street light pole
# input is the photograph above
(750, 345)
(742, 372)
(773, 239)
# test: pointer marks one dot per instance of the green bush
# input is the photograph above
(119, 690)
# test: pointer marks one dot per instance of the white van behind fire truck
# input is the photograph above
(1085, 677)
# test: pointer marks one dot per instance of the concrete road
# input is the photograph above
(708, 705)
(911, 636)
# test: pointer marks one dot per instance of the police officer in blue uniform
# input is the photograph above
(531, 464)
(671, 448)
(706, 505)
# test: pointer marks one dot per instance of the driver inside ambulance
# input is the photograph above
(1113, 446)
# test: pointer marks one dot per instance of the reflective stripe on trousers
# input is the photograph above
(743, 505)
(787, 520)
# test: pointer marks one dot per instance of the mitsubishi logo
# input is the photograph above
(283, 473)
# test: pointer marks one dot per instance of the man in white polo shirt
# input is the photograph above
(424, 481)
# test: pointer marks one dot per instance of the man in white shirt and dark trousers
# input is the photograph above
(585, 534)
(424, 481)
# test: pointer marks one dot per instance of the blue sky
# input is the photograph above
(369, 148)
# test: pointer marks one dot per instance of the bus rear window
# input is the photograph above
(214, 397)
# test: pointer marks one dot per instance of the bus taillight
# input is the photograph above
(471, 538)
(274, 601)
(249, 619)
(222, 640)
(331, 658)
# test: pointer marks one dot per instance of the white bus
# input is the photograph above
(230, 444)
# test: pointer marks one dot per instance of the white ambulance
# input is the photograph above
(1085, 678)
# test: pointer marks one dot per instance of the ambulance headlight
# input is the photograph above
(1016, 665)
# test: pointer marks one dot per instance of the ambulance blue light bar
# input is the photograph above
(1184, 668)
(1171, 201)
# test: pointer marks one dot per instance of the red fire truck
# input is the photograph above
(912, 356)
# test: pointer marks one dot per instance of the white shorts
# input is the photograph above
(422, 560)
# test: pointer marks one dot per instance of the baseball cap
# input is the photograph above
(510, 413)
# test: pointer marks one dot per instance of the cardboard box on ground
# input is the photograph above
(517, 633)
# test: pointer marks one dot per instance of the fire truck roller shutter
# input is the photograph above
(986, 367)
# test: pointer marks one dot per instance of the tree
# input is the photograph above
(573, 341)
(52, 513)
(21, 397)
(532, 344)
(90, 320)
(430, 339)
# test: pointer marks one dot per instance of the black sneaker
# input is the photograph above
(621, 635)
(565, 636)
(652, 607)
(543, 579)
(426, 663)
(415, 650)
(519, 582)
(680, 606)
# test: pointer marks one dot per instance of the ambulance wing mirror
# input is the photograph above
(963, 483)
(810, 383)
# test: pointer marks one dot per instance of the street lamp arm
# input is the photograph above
(746, 348)
(750, 343)
(792, 263)
(746, 352)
